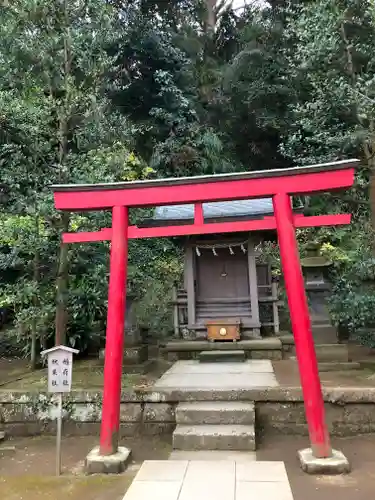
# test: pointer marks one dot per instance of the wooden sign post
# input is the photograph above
(60, 369)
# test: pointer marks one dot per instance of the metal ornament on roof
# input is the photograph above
(242, 245)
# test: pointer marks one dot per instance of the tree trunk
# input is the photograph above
(372, 198)
(62, 287)
(211, 13)
(36, 278)
(63, 261)
(369, 143)
(33, 350)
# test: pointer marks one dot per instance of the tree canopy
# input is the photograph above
(126, 89)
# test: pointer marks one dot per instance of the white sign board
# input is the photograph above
(60, 369)
(60, 365)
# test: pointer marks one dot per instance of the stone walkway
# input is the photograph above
(210, 480)
(192, 375)
(205, 474)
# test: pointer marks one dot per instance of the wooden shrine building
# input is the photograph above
(224, 282)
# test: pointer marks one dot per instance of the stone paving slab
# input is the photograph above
(153, 490)
(261, 472)
(210, 480)
(263, 491)
(188, 375)
(249, 366)
(235, 456)
(218, 381)
(156, 470)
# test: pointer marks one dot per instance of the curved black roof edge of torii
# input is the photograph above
(176, 181)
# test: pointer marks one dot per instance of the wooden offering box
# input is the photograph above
(223, 329)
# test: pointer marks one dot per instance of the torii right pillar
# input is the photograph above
(320, 458)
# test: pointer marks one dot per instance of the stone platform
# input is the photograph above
(210, 480)
(266, 348)
(192, 375)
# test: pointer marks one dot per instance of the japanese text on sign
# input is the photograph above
(59, 372)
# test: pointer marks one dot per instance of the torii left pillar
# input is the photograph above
(109, 457)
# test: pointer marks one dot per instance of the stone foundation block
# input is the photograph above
(157, 428)
(158, 412)
(274, 355)
(336, 464)
(19, 412)
(332, 352)
(135, 355)
(287, 414)
(109, 464)
(221, 356)
(170, 356)
(130, 412)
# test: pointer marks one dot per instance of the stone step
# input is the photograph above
(327, 353)
(221, 356)
(332, 352)
(214, 437)
(215, 413)
(338, 366)
(324, 334)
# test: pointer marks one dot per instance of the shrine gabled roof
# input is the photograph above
(215, 210)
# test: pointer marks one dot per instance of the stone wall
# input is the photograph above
(342, 420)
(348, 411)
(27, 413)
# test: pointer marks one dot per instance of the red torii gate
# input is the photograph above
(278, 184)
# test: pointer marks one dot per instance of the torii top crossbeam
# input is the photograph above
(279, 185)
(258, 184)
(201, 189)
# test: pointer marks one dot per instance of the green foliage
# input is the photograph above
(154, 297)
(328, 46)
(94, 91)
(57, 126)
(352, 304)
(330, 57)
(352, 298)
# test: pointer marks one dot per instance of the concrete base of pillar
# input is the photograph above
(109, 464)
(336, 464)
